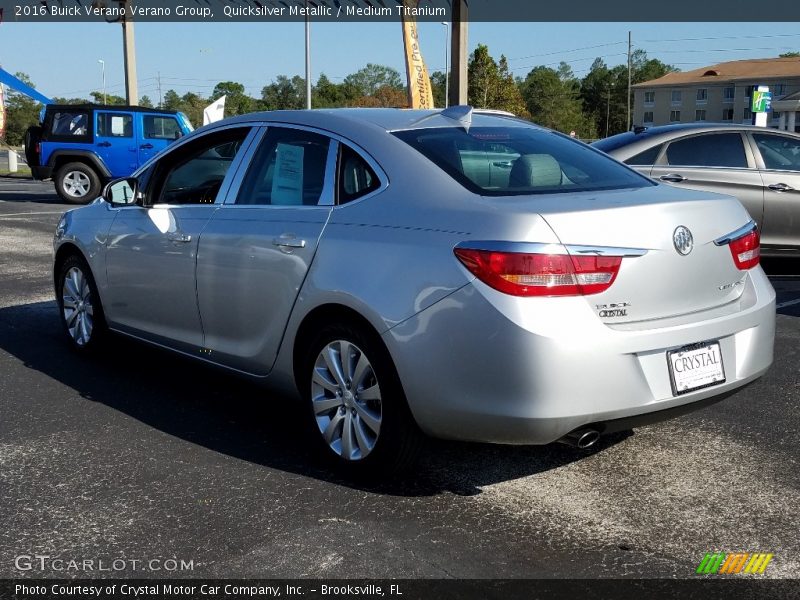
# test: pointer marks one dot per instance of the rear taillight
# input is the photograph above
(746, 250)
(524, 274)
(38, 148)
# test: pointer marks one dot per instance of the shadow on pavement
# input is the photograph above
(228, 414)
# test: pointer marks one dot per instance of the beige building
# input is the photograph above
(720, 94)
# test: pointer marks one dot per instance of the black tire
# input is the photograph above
(77, 183)
(399, 439)
(89, 303)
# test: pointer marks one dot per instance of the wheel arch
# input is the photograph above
(63, 252)
(59, 158)
(326, 314)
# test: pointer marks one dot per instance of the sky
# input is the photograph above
(62, 58)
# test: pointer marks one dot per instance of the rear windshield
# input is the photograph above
(503, 161)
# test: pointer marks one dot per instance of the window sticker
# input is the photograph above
(287, 185)
(117, 126)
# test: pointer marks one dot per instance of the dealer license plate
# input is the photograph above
(695, 367)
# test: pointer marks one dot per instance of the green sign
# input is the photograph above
(762, 101)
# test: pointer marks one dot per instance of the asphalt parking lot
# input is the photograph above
(141, 455)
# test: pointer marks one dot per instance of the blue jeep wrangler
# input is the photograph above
(82, 146)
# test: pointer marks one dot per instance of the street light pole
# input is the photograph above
(103, 64)
(446, 64)
(308, 60)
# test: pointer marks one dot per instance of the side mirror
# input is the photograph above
(122, 192)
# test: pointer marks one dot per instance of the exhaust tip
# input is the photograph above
(581, 438)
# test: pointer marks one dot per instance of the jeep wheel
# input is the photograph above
(77, 183)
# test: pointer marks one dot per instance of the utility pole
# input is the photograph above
(630, 51)
(608, 107)
(131, 90)
(446, 63)
(458, 54)
(308, 60)
(160, 97)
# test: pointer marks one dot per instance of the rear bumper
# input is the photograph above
(483, 366)
(42, 172)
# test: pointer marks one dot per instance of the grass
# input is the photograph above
(21, 173)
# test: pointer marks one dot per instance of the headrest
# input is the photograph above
(535, 170)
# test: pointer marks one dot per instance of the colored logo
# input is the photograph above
(720, 563)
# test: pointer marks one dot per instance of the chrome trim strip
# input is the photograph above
(736, 234)
(540, 248)
(606, 250)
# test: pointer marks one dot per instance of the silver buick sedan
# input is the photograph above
(453, 273)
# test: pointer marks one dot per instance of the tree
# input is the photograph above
(284, 93)
(21, 113)
(367, 81)
(386, 96)
(482, 75)
(789, 55)
(146, 102)
(236, 101)
(172, 101)
(327, 94)
(438, 89)
(101, 98)
(553, 100)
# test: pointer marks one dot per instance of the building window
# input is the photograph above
(702, 96)
(648, 117)
(776, 116)
(748, 91)
(728, 93)
(676, 96)
(674, 116)
(747, 115)
(649, 98)
(700, 115)
(727, 114)
(779, 89)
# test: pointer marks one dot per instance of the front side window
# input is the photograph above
(778, 152)
(713, 150)
(161, 128)
(510, 161)
(288, 169)
(194, 173)
(114, 125)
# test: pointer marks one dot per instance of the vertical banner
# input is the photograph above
(420, 94)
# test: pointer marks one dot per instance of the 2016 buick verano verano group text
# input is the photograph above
(463, 275)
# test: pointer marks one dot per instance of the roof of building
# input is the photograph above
(750, 70)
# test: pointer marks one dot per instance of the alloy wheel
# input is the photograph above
(76, 184)
(346, 400)
(78, 312)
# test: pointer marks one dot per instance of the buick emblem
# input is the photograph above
(682, 238)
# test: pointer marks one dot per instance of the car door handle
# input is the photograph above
(177, 236)
(104, 144)
(780, 187)
(673, 177)
(146, 146)
(503, 164)
(288, 241)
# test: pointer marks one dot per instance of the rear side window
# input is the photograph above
(503, 161)
(288, 169)
(161, 128)
(779, 152)
(69, 125)
(713, 150)
(355, 177)
(648, 157)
